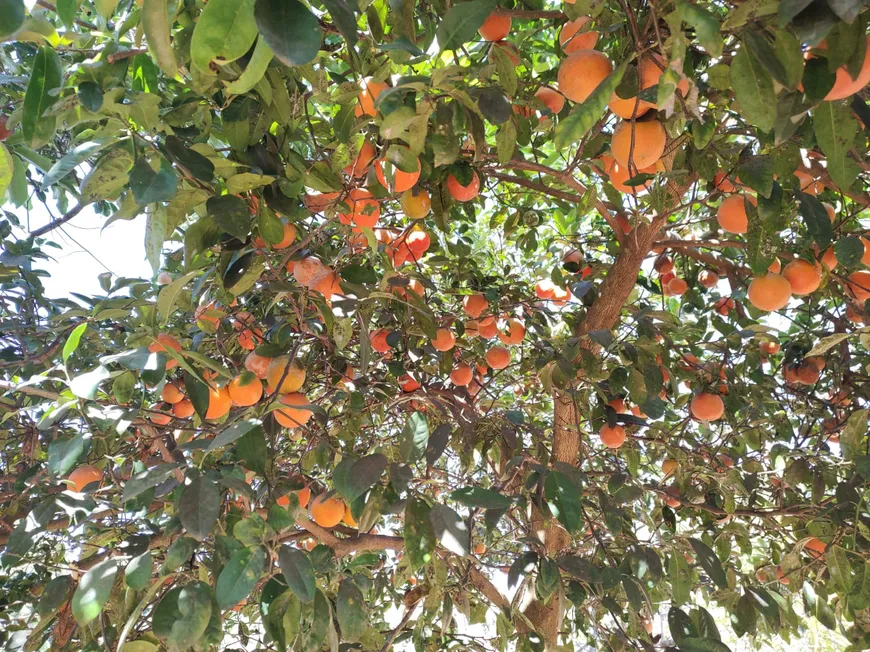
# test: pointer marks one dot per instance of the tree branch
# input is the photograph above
(51, 7)
(58, 222)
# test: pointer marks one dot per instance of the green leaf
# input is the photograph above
(7, 169)
(46, 76)
(231, 214)
(765, 604)
(13, 17)
(169, 295)
(54, 594)
(298, 572)
(757, 173)
(224, 32)
(563, 498)
(583, 117)
(450, 530)
(290, 29)
(156, 225)
(313, 639)
(85, 385)
(352, 478)
(156, 23)
(199, 166)
(839, 566)
(19, 189)
(283, 618)
(93, 591)
(350, 610)
(67, 10)
(108, 177)
(694, 644)
(506, 141)
(849, 251)
(710, 563)
(145, 480)
(419, 534)
(343, 15)
(743, 616)
(229, 435)
(507, 70)
(137, 575)
(413, 438)
(753, 89)
(816, 606)
(200, 506)
(816, 218)
(706, 26)
(852, 437)
(182, 616)
(198, 393)
(251, 450)
(72, 342)
(461, 23)
(149, 186)
(479, 497)
(254, 71)
(836, 128)
(63, 454)
(788, 51)
(581, 568)
(179, 552)
(240, 575)
(680, 576)
(765, 55)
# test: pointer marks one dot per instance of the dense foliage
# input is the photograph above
(472, 325)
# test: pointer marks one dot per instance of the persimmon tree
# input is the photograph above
(472, 325)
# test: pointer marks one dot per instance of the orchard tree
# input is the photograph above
(473, 325)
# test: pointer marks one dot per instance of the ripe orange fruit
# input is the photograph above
(815, 547)
(444, 340)
(544, 289)
(158, 416)
(202, 319)
(291, 371)
(162, 345)
(612, 437)
(461, 375)
(418, 242)
(619, 174)
(649, 143)
(808, 183)
(515, 333)
(626, 107)
(723, 305)
(463, 193)
(83, 476)
(708, 278)
(348, 518)
(572, 39)
(363, 160)
(474, 305)
(581, 72)
(171, 393)
(780, 575)
(319, 201)
(865, 257)
(732, 216)
(219, 402)
(858, 285)
(306, 269)
(366, 100)
(663, 265)
(326, 283)
(677, 286)
(257, 364)
(487, 328)
(770, 292)
(769, 347)
(498, 357)
(293, 417)
(327, 510)
(508, 48)
(398, 181)
(245, 389)
(408, 383)
(479, 548)
(287, 239)
(651, 69)
(553, 100)
(496, 27)
(808, 373)
(379, 340)
(183, 409)
(723, 183)
(415, 203)
(803, 276)
(707, 407)
(832, 212)
(775, 266)
(669, 466)
(250, 338)
(844, 84)
(617, 405)
(304, 495)
(363, 209)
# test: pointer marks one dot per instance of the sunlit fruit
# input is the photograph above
(858, 285)
(708, 278)
(461, 375)
(164, 278)
(552, 99)
(769, 347)
(183, 409)
(612, 436)
(83, 476)
(287, 239)
(418, 242)
(581, 72)
(363, 210)
(326, 283)
(369, 95)
(544, 289)
(474, 305)
(327, 510)
(257, 364)
(677, 287)
(803, 276)
(707, 407)
(171, 393)
(306, 269)
(348, 518)
(250, 338)
(444, 340)
(775, 267)
(832, 212)
(461, 192)
(619, 175)
(498, 357)
(669, 466)
(162, 345)
(158, 415)
(769, 292)
(648, 145)
(731, 213)
(408, 383)
(815, 547)
(663, 265)
(415, 203)
(845, 85)
(487, 328)
(363, 160)
(293, 416)
(320, 201)
(514, 333)
(219, 402)
(723, 183)
(245, 389)
(378, 340)
(393, 179)
(572, 37)
(496, 27)
(284, 375)
(809, 184)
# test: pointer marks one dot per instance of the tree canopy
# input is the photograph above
(473, 325)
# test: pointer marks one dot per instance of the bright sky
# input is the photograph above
(87, 252)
